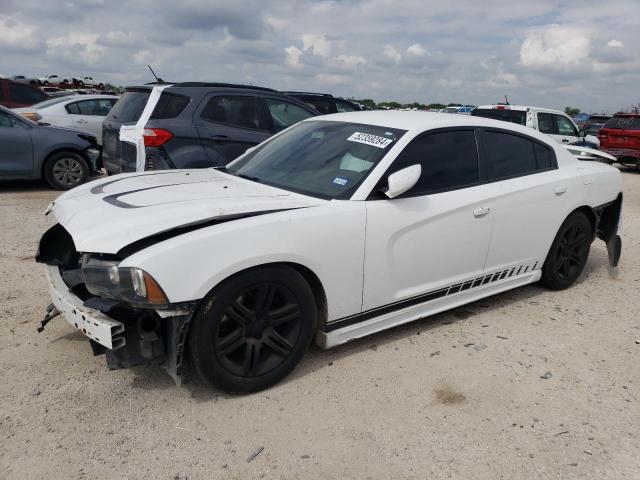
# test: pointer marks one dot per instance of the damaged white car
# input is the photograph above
(337, 228)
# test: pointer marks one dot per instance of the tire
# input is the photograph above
(46, 83)
(568, 253)
(101, 86)
(65, 170)
(253, 329)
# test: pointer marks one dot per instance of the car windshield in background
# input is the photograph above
(130, 106)
(623, 123)
(506, 115)
(319, 158)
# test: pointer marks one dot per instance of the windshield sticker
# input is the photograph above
(368, 139)
(340, 181)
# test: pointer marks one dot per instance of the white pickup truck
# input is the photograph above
(53, 79)
(558, 125)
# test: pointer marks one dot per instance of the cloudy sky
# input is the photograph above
(549, 53)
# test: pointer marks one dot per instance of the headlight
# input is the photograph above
(105, 278)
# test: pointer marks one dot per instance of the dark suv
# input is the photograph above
(326, 103)
(196, 125)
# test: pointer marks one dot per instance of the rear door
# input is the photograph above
(116, 155)
(16, 150)
(530, 199)
(89, 114)
(229, 123)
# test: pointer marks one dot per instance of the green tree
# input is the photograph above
(367, 102)
(571, 111)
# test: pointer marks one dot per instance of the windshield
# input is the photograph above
(513, 116)
(319, 158)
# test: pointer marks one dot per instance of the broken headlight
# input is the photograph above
(105, 278)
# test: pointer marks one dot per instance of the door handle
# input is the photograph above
(81, 121)
(220, 137)
(565, 140)
(560, 190)
(481, 212)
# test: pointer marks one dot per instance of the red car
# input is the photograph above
(15, 94)
(620, 137)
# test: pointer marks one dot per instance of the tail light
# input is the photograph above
(155, 137)
(33, 116)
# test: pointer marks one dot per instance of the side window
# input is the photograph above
(24, 94)
(545, 123)
(6, 120)
(344, 107)
(285, 114)
(449, 160)
(508, 155)
(239, 111)
(566, 126)
(73, 108)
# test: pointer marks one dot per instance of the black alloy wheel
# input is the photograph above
(253, 329)
(569, 252)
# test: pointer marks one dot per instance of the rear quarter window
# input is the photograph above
(170, 105)
(623, 123)
(130, 106)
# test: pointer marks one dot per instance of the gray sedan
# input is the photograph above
(64, 157)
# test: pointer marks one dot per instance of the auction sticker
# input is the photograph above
(368, 139)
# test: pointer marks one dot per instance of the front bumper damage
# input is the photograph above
(127, 336)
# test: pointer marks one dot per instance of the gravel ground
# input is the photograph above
(463, 394)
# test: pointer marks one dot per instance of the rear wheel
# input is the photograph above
(65, 170)
(253, 329)
(569, 252)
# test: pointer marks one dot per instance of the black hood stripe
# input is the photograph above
(100, 188)
(174, 232)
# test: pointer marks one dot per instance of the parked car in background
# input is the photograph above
(197, 124)
(326, 103)
(579, 119)
(53, 79)
(342, 226)
(620, 137)
(558, 125)
(24, 79)
(84, 112)
(15, 94)
(594, 123)
(50, 90)
(461, 109)
(63, 157)
(87, 82)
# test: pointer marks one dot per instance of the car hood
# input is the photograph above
(108, 214)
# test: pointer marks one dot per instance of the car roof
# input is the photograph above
(518, 108)
(418, 121)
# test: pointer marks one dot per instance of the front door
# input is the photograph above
(437, 234)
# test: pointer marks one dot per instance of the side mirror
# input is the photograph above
(403, 180)
(582, 133)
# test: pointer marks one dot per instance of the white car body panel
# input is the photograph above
(58, 116)
(464, 244)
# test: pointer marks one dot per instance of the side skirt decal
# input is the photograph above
(429, 296)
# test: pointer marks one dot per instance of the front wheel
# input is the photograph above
(568, 253)
(253, 329)
(65, 170)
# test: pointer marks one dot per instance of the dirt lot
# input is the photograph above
(458, 395)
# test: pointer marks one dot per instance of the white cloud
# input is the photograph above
(293, 56)
(391, 53)
(615, 44)
(318, 44)
(416, 50)
(555, 47)
(16, 34)
(77, 46)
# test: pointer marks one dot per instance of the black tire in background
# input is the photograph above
(65, 170)
(253, 329)
(568, 253)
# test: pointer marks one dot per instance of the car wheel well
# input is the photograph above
(591, 215)
(55, 152)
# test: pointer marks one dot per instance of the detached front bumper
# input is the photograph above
(94, 324)
(126, 336)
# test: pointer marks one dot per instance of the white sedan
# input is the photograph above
(337, 228)
(84, 112)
